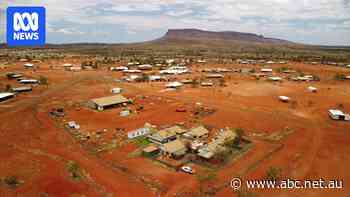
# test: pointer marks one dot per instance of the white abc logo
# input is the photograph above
(33, 21)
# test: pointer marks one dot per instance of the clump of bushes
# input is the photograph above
(11, 181)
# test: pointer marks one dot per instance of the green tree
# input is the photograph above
(273, 173)
(43, 80)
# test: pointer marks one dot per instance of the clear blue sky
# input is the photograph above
(324, 22)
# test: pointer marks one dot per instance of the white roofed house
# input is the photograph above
(175, 84)
(119, 68)
(29, 81)
(28, 65)
(266, 70)
(275, 78)
(6, 96)
(145, 67)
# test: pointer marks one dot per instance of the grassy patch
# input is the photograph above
(142, 141)
(74, 170)
(11, 181)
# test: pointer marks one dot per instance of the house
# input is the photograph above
(176, 129)
(217, 144)
(105, 102)
(119, 68)
(6, 95)
(338, 115)
(67, 65)
(145, 67)
(139, 132)
(155, 78)
(174, 149)
(275, 78)
(175, 84)
(207, 84)
(75, 68)
(312, 89)
(187, 81)
(12, 75)
(197, 133)
(132, 71)
(215, 76)
(29, 81)
(266, 70)
(22, 89)
(28, 65)
(163, 136)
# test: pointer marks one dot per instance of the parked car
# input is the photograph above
(187, 169)
(73, 125)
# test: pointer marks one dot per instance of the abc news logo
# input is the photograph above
(26, 26)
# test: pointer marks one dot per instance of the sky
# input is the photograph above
(321, 22)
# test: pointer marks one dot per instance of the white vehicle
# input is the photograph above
(284, 99)
(116, 90)
(73, 125)
(187, 169)
(175, 84)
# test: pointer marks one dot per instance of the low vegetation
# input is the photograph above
(74, 170)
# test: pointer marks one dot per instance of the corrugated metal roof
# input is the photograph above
(198, 132)
(174, 146)
(110, 100)
(6, 94)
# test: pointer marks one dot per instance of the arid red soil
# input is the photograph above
(36, 148)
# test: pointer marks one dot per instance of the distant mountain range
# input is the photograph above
(195, 42)
(224, 36)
